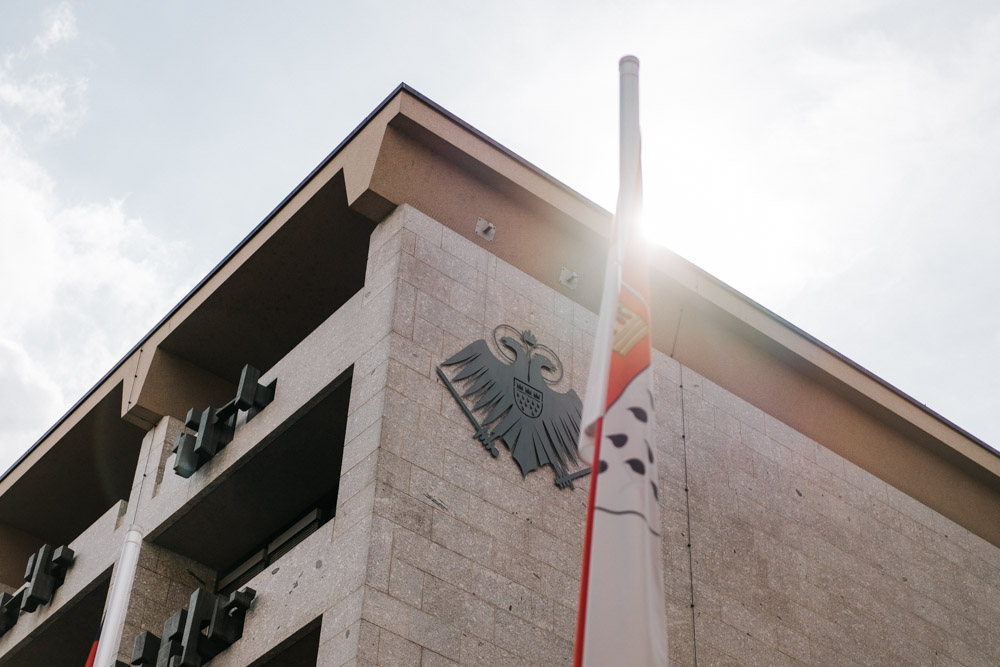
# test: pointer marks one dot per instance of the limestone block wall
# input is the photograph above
(800, 557)
(776, 551)
(470, 563)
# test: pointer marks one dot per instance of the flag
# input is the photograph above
(93, 648)
(622, 616)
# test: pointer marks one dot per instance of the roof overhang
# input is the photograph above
(411, 151)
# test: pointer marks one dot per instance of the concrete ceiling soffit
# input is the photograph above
(66, 423)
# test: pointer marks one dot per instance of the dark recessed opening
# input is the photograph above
(297, 473)
(299, 650)
(67, 640)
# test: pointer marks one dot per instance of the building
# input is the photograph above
(812, 514)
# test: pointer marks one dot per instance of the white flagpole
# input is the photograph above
(622, 616)
(628, 149)
(121, 590)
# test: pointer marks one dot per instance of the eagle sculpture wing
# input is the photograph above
(546, 435)
(491, 379)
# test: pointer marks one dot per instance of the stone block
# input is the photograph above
(367, 386)
(405, 309)
(425, 454)
(379, 554)
(457, 607)
(511, 597)
(399, 409)
(394, 650)
(386, 612)
(426, 228)
(341, 648)
(369, 636)
(430, 338)
(477, 652)
(359, 476)
(351, 511)
(438, 493)
(432, 558)
(442, 315)
(410, 513)
(406, 583)
(465, 250)
(361, 418)
(790, 438)
(529, 641)
(395, 435)
(511, 532)
(463, 473)
(425, 277)
(513, 304)
(524, 284)
(540, 577)
(381, 281)
(550, 549)
(564, 622)
(468, 301)
(392, 470)
(455, 269)
(435, 634)
(343, 614)
(382, 250)
(429, 658)
(386, 230)
(462, 538)
(410, 354)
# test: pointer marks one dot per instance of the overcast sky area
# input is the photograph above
(836, 161)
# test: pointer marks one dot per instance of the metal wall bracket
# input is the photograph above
(10, 609)
(210, 625)
(486, 229)
(46, 572)
(569, 278)
(215, 428)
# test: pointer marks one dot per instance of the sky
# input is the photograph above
(836, 161)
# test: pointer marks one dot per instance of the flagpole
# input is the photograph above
(628, 148)
(595, 398)
(121, 590)
(622, 615)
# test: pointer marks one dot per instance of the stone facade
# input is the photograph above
(776, 551)
(796, 556)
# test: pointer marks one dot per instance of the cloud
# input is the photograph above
(44, 98)
(82, 282)
(60, 25)
(859, 191)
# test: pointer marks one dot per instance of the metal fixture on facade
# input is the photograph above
(216, 427)
(195, 635)
(486, 229)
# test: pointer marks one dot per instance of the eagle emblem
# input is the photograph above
(537, 424)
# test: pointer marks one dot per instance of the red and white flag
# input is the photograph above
(622, 617)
